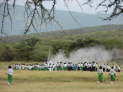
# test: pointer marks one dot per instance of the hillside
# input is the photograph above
(63, 34)
(63, 17)
(73, 32)
(36, 46)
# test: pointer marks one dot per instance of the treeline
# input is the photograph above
(37, 49)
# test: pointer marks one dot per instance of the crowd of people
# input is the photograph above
(84, 66)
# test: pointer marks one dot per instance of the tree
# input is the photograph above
(7, 53)
(24, 49)
(115, 5)
(35, 8)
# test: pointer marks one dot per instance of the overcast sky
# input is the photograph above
(74, 5)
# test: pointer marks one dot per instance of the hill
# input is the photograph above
(64, 33)
(63, 17)
(36, 46)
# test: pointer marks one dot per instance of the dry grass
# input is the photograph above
(39, 81)
(45, 81)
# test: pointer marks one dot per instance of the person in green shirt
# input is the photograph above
(10, 75)
(100, 74)
(112, 74)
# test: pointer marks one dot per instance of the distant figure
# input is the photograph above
(112, 74)
(117, 69)
(100, 74)
(10, 75)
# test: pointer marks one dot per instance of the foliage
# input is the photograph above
(7, 53)
(37, 48)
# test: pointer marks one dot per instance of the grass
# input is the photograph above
(62, 81)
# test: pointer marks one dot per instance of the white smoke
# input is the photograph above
(60, 57)
(97, 54)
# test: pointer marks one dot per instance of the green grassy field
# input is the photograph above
(62, 81)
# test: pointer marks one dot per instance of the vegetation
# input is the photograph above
(40, 81)
(36, 48)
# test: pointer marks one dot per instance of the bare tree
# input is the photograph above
(35, 8)
(115, 5)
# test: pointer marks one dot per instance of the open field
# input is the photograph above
(62, 81)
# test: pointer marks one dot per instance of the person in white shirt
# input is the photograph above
(100, 74)
(108, 68)
(112, 74)
(10, 75)
(118, 68)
